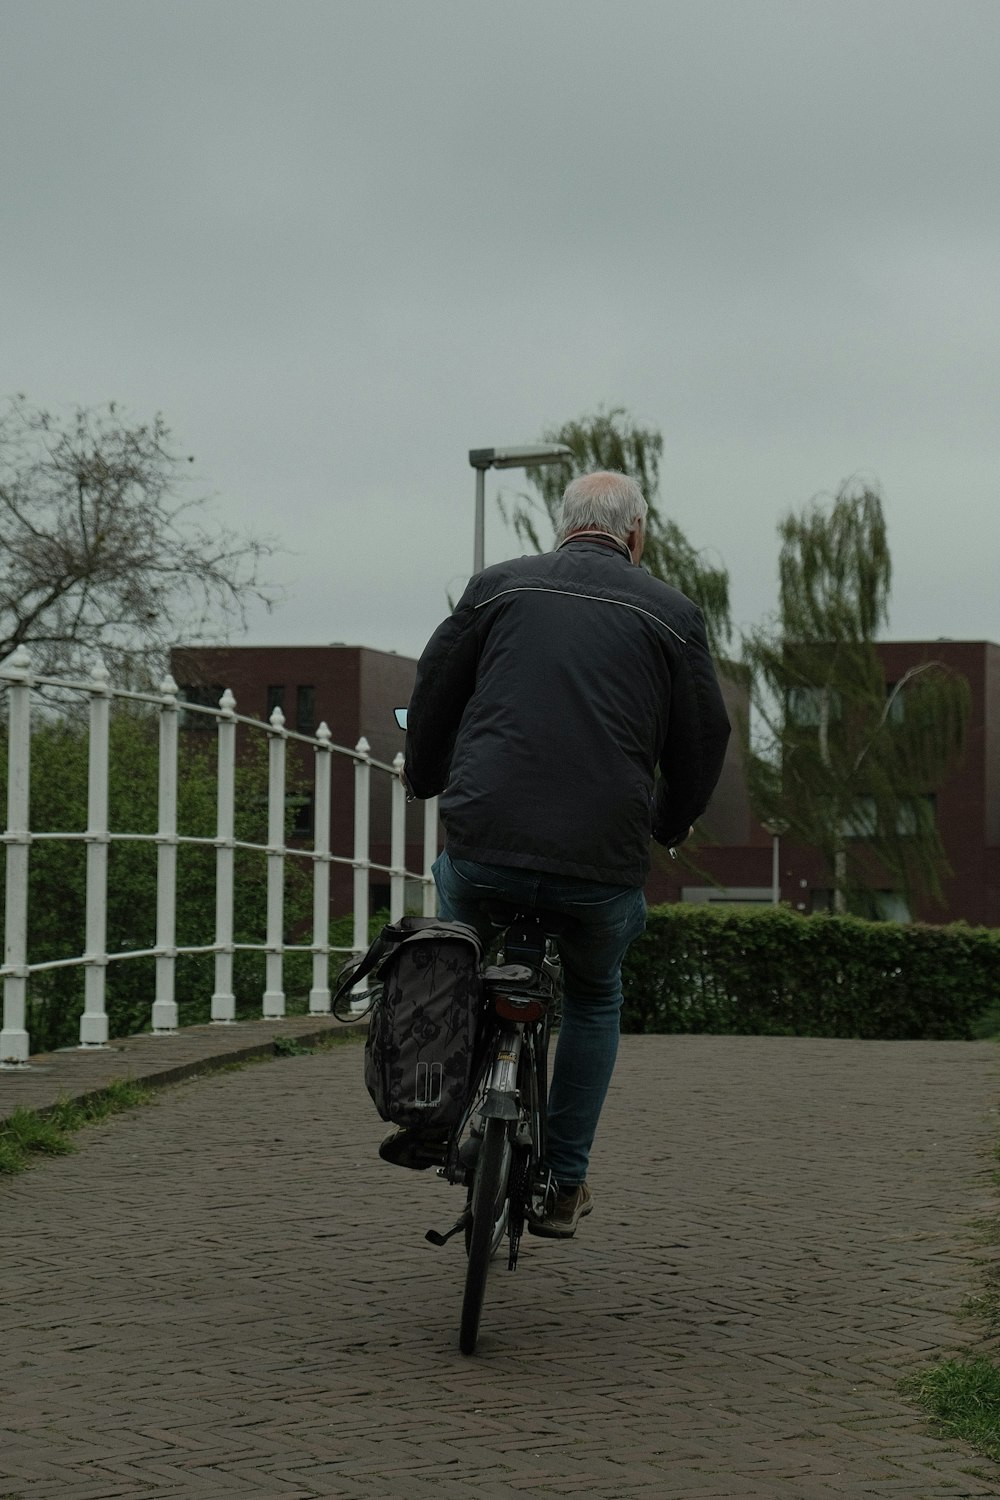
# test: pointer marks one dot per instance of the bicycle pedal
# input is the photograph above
(436, 1238)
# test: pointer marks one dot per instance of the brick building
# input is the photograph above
(354, 690)
(737, 865)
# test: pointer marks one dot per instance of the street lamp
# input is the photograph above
(775, 828)
(482, 459)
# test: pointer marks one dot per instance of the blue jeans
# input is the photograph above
(602, 921)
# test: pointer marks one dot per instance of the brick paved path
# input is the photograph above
(226, 1293)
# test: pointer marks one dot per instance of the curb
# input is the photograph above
(78, 1073)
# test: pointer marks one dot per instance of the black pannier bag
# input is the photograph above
(425, 1020)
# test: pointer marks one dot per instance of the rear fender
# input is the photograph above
(501, 1101)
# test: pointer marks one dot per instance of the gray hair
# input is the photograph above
(605, 501)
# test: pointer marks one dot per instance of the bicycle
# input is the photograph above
(498, 1149)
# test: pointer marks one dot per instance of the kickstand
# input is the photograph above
(459, 1224)
(514, 1229)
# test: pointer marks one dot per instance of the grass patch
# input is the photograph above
(11, 1158)
(348, 1037)
(284, 1046)
(26, 1132)
(26, 1135)
(963, 1396)
(123, 1094)
(287, 1046)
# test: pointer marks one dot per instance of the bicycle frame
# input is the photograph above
(509, 1180)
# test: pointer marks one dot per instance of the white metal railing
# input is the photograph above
(16, 677)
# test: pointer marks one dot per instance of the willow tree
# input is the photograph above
(611, 440)
(843, 761)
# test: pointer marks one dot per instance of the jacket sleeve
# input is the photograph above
(446, 676)
(695, 747)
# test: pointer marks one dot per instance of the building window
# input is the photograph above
(300, 805)
(891, 906)
(305, 709)
(737, 895)
(205, 696)
(896, 711)
(861, 821)
(880, 906)
(805, 706)
(915, 815)
(275, 699)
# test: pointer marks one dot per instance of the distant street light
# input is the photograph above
(482, 459)
(775, 828)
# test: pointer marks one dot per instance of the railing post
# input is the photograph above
(223, 998)
(94, 1021)
(14, 1040)
(397, 845)
(430, 855)
(165, 1005)
(319, 995)
(274, 994)
(362, 852)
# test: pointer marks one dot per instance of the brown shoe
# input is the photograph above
(562, 1218)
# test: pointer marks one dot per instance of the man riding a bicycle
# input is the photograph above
(542, 708)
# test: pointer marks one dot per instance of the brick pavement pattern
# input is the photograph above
(226, 1293)
(156, 1060)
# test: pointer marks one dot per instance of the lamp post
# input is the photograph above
(482, 459)
(775, 828)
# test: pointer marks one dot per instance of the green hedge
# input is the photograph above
(766, 972)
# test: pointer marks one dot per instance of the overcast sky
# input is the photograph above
(338, 243)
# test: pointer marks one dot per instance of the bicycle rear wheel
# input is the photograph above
(489, 1211)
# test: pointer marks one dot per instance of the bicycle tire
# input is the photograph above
(489, 1195)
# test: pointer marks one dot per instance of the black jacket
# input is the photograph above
(543, 705)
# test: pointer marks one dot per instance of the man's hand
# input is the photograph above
(401, 773)
(674, 843)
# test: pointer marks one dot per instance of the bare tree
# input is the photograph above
(102, 553)
(611, 440)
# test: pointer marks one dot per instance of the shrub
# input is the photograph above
(770, 972)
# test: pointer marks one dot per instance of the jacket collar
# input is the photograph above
(602, 538)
